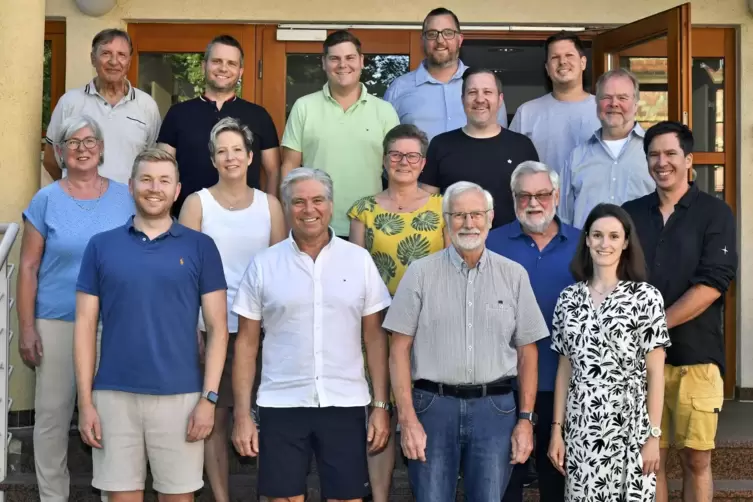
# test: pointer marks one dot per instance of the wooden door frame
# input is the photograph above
(193, 37)
(54, 32)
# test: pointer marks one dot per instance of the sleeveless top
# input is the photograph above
(239, 235)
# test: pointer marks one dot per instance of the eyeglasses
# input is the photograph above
(541, 198)
(447, 34)
(73, 144)
(475, 215)
(397, 157)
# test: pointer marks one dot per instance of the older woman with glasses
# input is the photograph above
(58, 224)
(397, 226)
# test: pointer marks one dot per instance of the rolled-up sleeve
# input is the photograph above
(402, 317)
(530, 326)
(718, 264)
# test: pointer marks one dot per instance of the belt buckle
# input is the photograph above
(441, 390)
(483, 390)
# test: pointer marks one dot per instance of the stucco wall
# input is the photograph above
(80, 29)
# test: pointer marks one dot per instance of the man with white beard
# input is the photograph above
(464, 324)
(544, 246)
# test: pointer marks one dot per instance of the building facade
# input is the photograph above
(691, 68)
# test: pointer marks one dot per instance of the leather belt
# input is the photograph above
(465, 391)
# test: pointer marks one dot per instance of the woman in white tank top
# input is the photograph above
(242, 221)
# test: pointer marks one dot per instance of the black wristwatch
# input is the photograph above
(528, 415)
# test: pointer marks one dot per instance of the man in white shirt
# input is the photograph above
(316, 294)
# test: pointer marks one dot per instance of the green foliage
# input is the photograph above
(412, 248)
(47, 85)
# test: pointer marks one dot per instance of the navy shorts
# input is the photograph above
(336, 436)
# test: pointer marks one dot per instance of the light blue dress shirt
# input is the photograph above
(593, 175)
(432, 106)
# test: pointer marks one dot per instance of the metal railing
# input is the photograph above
(9, 232)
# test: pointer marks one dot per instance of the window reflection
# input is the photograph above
(710, 179)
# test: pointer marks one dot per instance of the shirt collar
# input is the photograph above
(294, 244)
(685, 201)
(176, 229)
(637, 130)
(423, 76)
(362, 99)
(516, 230)
(206, 99)
(459, 263)
(130, 93)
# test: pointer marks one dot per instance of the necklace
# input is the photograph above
(608, 290)
(400, 207)
(101, 186)
(231, 205)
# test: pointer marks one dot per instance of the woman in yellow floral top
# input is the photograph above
(404, 222)
(397, 226)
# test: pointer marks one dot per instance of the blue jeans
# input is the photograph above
(472, 434)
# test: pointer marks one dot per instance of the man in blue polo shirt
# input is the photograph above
(544, 246)
(147, 402)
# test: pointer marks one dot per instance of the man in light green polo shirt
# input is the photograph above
(340, 129)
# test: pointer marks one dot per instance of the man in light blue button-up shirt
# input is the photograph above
(611, 165)
(430, 97)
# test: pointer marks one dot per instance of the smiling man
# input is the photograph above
(610, 166)
(482, 151)
(185, 132)
(129, 117)
(340, 129)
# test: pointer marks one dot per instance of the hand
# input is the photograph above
(201, 421)
(30, 347)
(379, 429)
(650, 455)
(413, 440)
(522, 442)
(557, 450)
(89, 426)
(245, 436)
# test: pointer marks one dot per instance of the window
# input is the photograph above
(54, 69)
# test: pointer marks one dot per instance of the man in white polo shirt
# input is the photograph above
(129, 117)
(316, 294)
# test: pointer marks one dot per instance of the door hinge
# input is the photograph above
(261, 68)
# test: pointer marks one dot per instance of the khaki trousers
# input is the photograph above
(54, 401)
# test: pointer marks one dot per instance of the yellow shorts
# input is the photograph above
(693, 398)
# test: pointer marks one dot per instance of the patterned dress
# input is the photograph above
(606, 421)
(395, 240)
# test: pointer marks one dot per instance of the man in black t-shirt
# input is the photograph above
(482, 151)
(185, 130)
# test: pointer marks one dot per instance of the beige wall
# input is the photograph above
(81, 28)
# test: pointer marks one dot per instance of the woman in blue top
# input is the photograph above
(58, 224)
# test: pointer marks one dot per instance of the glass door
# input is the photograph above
(167, 59)
(291, 69)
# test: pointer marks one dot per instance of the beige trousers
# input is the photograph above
(54, 401)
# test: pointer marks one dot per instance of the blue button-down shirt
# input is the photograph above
(593, 175)
(549, 272)
(432, 106)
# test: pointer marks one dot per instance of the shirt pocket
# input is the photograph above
(500, 319)
(138, 131)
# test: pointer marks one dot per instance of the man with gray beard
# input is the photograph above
(544, 246)
(464, 324)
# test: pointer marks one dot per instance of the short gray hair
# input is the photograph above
(71, 126)
(461, 187)
(106, 36)
(303, 174)
(230, 124)
(618, 72)
(532, 167)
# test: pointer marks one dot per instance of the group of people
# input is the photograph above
(552, 289)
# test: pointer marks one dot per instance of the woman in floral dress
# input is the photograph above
(610, 331)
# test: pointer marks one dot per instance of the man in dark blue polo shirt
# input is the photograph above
(148, 402)
(185, 130)
(688, 237)
(544, 246)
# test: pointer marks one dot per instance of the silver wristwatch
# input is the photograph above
(655, 431)
(381, 404)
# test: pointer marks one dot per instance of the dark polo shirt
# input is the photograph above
(696, 246)
(186, 128)
(454, 156)
(149, 295)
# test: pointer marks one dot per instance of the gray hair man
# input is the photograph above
(464, 324)
(316, 294)
(544, 245)
(129, 117)
(611, 165)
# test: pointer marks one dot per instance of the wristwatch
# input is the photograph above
(655, 432)
(210, 396)
(381, 404)
(528, 415)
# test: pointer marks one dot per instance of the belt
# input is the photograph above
(465, 391)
